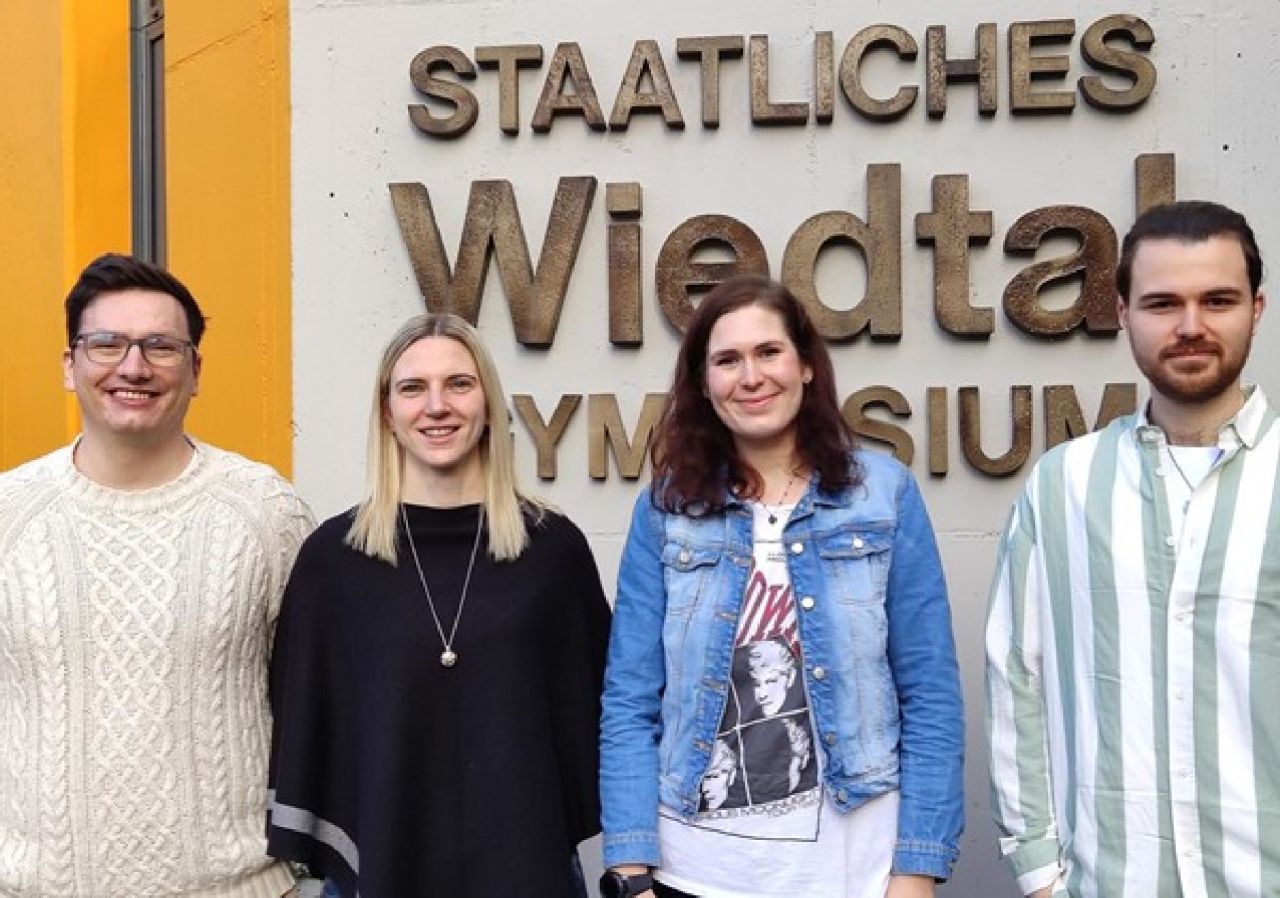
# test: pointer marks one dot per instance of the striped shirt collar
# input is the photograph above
(1247, 427)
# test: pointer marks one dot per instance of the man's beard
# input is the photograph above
(1190, 389)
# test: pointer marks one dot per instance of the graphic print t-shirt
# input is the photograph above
(763, 764)
(762, 827)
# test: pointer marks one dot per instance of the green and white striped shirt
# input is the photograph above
(1133, 668)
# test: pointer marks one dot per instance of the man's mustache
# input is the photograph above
(1191, 347)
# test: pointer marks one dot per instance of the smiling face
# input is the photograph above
(755, 378)
(435, 406)
(1191, 316)
(132, 400)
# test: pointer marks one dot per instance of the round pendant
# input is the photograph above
(448, 658)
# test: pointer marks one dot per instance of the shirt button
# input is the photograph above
(1170, 541)
(807, 603)
(858, 542)
(1160, 472)
(797, 548)
(819, 673)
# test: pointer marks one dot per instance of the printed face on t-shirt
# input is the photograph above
(720, 776)
(773, 672)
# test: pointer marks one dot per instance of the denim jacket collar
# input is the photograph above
(814, 496)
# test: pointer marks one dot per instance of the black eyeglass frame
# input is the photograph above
(145, 346)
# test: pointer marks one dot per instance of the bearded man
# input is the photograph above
(1133, 638)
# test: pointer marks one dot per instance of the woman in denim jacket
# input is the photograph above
(782, 711)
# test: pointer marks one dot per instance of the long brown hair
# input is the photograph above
(695, 460)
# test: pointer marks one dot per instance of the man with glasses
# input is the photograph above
(140, 576)
(1133, 640)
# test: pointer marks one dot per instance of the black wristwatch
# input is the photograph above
(617, 885)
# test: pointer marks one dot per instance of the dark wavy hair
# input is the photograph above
(695, 460)
(1191, 221)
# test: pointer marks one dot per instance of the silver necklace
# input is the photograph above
(1183, 474)
(773, 512)
(448, 657)
(1177, 467)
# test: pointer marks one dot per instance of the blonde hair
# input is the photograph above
(376, 520)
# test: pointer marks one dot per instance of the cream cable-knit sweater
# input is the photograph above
(134, 634)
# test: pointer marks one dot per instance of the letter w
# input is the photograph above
(493, 228)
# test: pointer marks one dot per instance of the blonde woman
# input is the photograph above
(438, 662)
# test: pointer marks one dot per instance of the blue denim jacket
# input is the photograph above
(879, 661)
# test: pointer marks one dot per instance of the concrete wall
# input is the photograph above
(1214, 107)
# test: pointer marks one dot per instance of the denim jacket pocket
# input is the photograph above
(855, 564)
(687, 572)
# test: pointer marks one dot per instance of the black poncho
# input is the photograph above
(397, 777)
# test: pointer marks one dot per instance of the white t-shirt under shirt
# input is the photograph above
(1185, 467)
(765, 828)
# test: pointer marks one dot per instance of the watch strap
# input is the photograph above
(621, 885)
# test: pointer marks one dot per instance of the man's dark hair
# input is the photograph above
(114, 272)
(1191, 221)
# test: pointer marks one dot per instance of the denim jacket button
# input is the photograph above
(819, 673)
(807, 603)
(858, 543)
(842, 795)
(797, 548)
(685, 555)
(830, 738)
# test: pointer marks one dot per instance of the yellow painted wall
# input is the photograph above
(227, 104)
(65, 195)
(64, 190)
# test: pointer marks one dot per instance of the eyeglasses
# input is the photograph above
(107, 348)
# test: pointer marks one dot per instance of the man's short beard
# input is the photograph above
(1189, 391)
